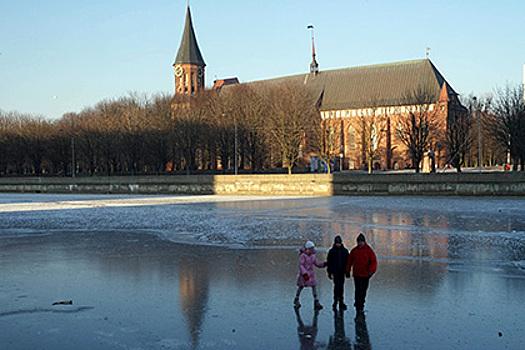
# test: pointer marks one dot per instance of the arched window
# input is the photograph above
(351, 138)
(399, 132)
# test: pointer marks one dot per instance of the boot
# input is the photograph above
(342, 305)
(296, 303)
(334, 306)
(317, 305)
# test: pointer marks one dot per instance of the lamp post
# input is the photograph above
(479, 131)
(72, 154)
(73, 170)
(236, 146)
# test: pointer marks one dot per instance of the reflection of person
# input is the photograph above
(306, 277)
(362, 339)
(307, 334)
(339, 341)
(362, 261)
(336, 268)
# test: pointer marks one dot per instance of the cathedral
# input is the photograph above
(346, 96)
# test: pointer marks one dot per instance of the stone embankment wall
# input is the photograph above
(449, 184)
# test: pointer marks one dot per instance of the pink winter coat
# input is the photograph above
(307, 261)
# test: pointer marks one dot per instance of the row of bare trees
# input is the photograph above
(261, 128)
(137, 134)
(490, 132)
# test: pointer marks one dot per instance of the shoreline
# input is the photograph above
(308, 185)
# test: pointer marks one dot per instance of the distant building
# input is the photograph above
(344, 96)
(219, 83)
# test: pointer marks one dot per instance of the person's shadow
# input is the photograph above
(339, 341)
(307, 334)
(362, 339)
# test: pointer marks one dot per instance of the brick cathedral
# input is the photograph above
(345, 95)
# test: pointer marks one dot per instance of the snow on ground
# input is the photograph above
(476, 230)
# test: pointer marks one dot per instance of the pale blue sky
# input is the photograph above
(59, 56)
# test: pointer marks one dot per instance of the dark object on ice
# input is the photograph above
(500, 334)
(69, 302)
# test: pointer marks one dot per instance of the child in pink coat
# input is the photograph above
(306, 277)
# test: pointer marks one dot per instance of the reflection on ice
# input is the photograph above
(193, 296)
(339, 341)
(307, 332)
(362, 339)
(451, 271)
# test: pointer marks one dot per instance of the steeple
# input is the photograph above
(189, 51)
(189, 64)
(314, 66)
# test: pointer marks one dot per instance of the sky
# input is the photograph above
(60, 56)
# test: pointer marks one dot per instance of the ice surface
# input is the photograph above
(218, 272)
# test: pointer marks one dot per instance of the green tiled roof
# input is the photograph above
(189, 51)
(377, 85)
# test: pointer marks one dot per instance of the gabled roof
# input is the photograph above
(189, 51)
(390, 84)
(218, 84)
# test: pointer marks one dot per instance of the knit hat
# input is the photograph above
(361, 238)
(338, 239)
(309, 244)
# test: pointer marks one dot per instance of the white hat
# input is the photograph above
(309, 244)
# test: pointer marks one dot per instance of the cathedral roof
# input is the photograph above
(189, 51)
(391, 84)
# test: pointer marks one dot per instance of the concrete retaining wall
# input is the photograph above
(450, 184)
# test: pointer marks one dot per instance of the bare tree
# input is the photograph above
(292, 115)
(507, 125)
(250, 109)
(325, 137)
(5, 133)
(189, 129)
(371, 125)
(158, 135)
(459, 134)
(419, 128)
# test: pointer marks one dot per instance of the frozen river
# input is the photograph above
(218, 272)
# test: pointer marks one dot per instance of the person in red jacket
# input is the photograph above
(362, 260)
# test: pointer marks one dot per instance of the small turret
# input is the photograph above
(314, 66)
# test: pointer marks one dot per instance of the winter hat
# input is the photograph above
(361, 238)
(309, 244)
(338, 239)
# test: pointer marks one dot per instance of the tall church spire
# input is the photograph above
(189, 64)
(314, 66)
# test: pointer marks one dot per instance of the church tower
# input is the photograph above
(189, 64)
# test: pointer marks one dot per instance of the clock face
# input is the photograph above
(199, 72)
(179, 71)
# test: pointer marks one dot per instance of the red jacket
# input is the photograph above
(363, 260)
